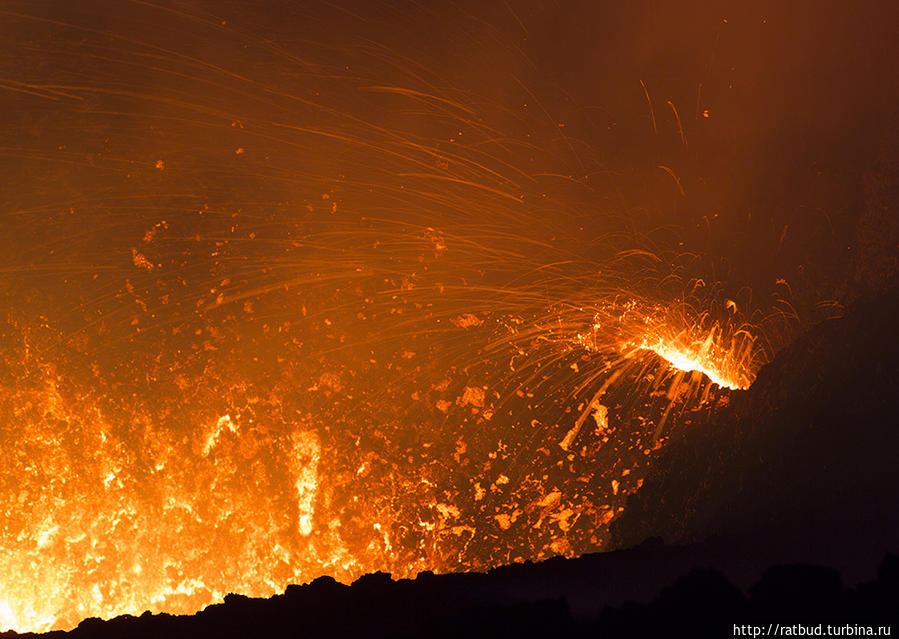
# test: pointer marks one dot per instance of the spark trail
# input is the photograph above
(277, 308)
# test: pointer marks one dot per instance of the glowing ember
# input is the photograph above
(726, 357)
(700, 361)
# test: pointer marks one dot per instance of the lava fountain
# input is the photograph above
(277, 308)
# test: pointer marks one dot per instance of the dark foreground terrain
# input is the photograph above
(783, 510)
(553, 599)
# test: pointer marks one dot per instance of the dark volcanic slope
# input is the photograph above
(533, 600)
(804, 463)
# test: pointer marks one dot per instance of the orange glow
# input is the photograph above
(720, 366)
(262, 322)
(129, 502)
(725, 357)
(98, 527)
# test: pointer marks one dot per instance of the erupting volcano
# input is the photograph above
(324, 289)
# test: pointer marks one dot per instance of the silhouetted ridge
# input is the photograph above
(703, 602)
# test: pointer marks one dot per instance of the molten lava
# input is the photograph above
(171, 491)
(706, 359)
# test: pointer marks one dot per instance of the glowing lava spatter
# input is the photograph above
(727, 367)
(726, 357)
